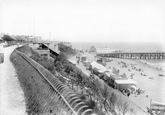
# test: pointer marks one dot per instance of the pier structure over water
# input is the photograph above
(134, 55)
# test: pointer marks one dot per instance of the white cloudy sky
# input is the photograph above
(85, 20)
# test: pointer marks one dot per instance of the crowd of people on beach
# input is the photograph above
(132, 67)
(126, 92)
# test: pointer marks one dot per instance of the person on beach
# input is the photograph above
(128, 93)
(17, 44)
(77, 61)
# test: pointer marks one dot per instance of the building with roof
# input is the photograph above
(123, 84)
(47, 49)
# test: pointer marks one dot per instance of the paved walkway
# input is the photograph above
(11, 94)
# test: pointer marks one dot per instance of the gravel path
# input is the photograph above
(11, 94)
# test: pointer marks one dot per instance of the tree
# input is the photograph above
(98, 89)
(72, 81)
(105, 95)
(132, 111)
(92, 49)
(7, 38)
(124, 76)
(68, 69)
(48, 64)
(112, 99)
(122, 106)
(59, 66)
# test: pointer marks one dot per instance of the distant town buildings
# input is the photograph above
(22, 38)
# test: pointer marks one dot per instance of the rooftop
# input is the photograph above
(125, 81)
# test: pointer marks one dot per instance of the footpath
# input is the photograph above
(11, 95)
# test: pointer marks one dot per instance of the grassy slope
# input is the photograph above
(35, 88)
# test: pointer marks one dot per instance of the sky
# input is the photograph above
(85, 20)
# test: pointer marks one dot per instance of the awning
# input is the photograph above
(97, 66)
(125, 81)
(133, 87)
(72, 61)
(155, 103)
(109, 70)
(102, 70)
(86, 73)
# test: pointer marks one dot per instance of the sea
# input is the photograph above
(127, 46)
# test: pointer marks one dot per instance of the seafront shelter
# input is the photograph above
(45, 49)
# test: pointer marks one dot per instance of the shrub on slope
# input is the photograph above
(68, 51)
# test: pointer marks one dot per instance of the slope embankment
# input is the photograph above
(44, 93)
(36, 90)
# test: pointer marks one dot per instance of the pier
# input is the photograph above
(134, 55)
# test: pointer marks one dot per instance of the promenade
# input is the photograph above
(11, 94)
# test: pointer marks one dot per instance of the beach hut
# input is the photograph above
(123, 84)
(87, 63)
(112, 79)
(97, 68)
(157, 106)
(101, 61)
(83, 58)
(108, 73)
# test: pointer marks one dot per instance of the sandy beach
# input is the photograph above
(152, 83)
(147, 79)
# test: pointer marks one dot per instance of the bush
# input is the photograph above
(66, 50)
(91, 104)
(48, 64)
